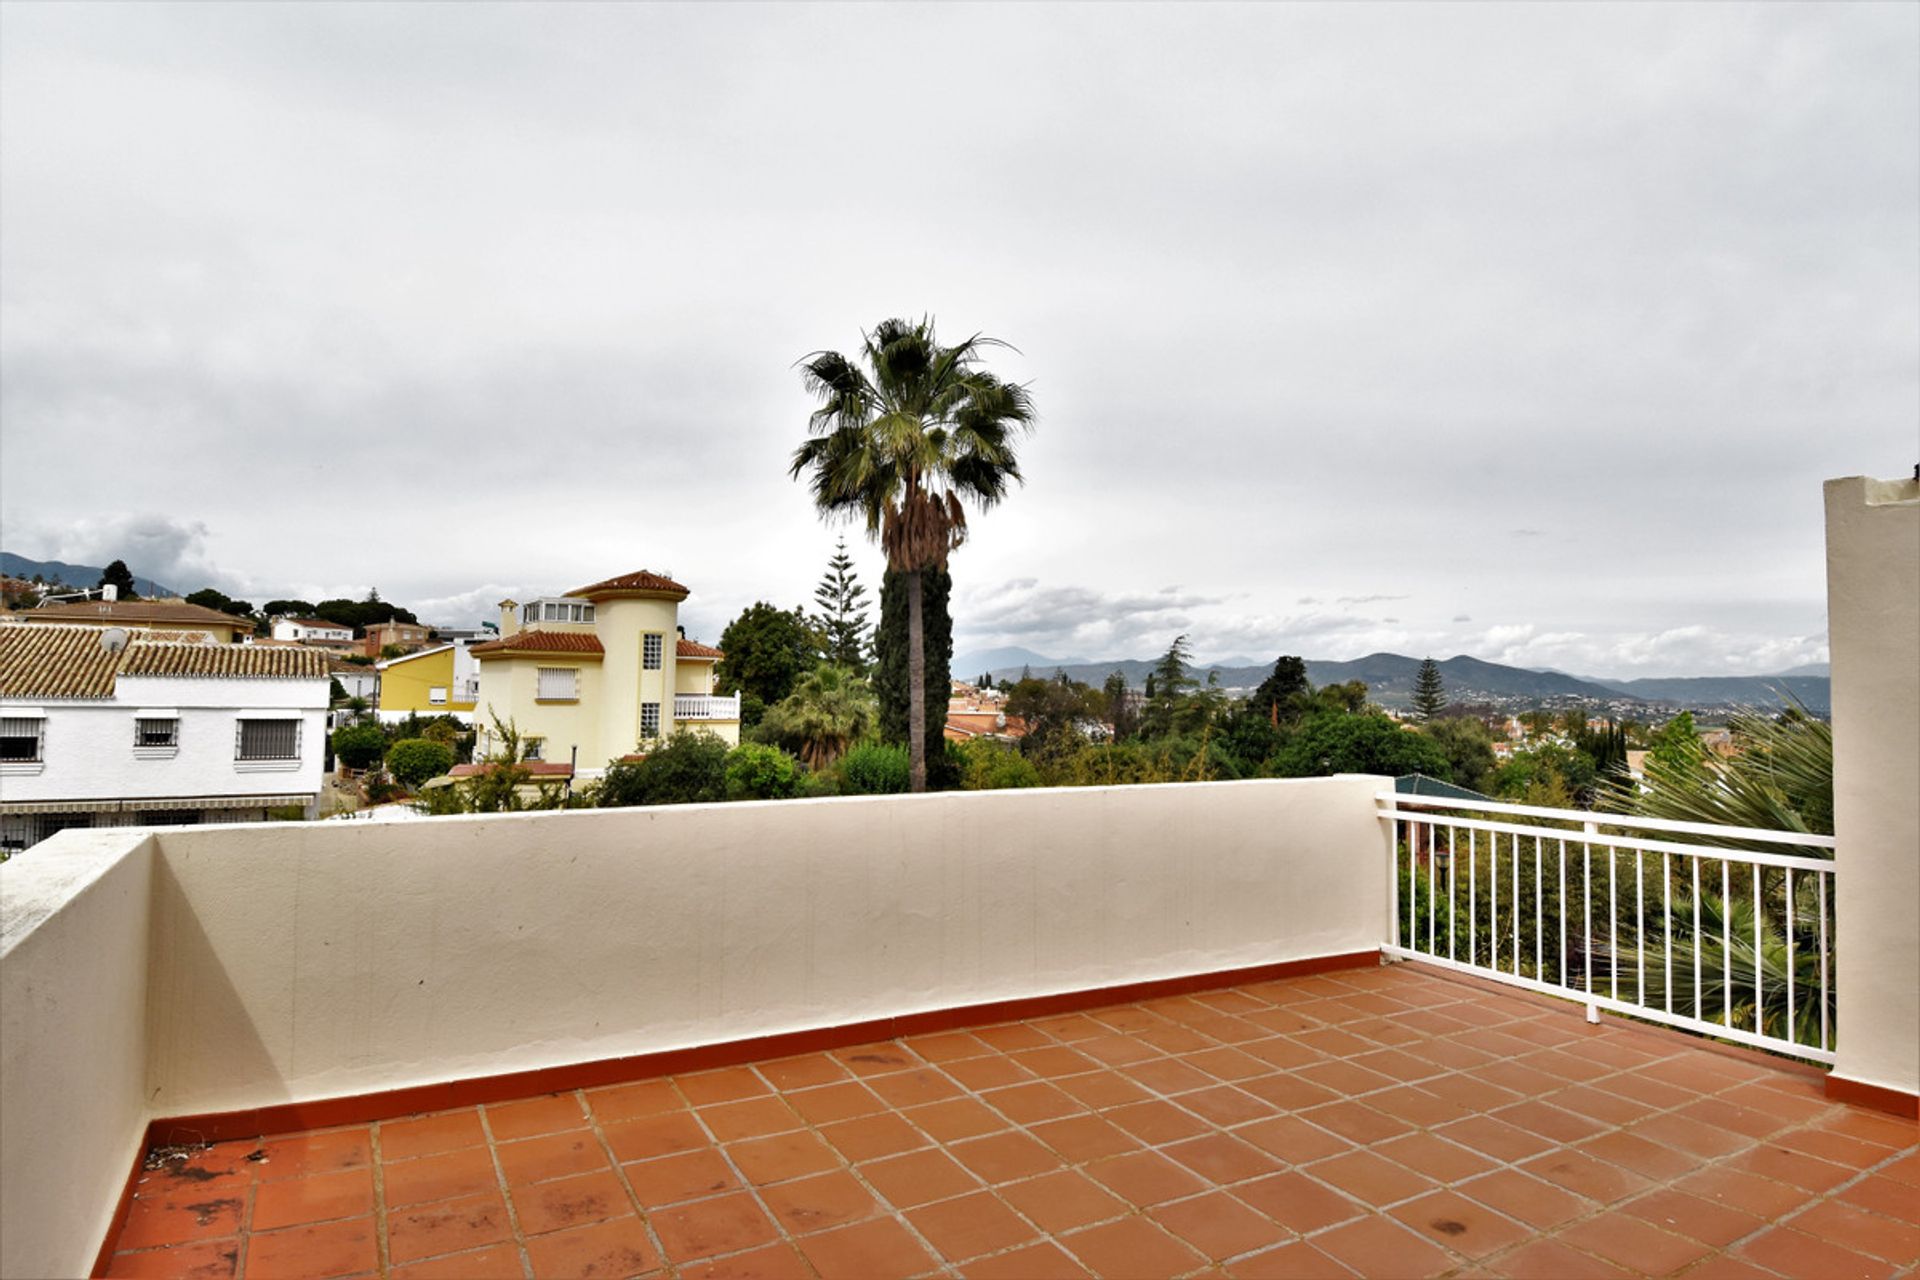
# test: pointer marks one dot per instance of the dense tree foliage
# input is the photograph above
(359, 746)
(688, 768)
(209, 598)
(827, 712)
(1429, 692)
(120, 578)
(841, 598)
(413, 761)
(767, 650)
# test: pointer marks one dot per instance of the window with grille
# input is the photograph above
(149, 732)
(649, 719)
(267, 740)
(650, 647)
(559, 683)
(22, 740)
(533, 749)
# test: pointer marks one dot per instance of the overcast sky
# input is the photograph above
(1522, 331)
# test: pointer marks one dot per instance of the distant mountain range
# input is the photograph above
(1390, 678)
(73, 575)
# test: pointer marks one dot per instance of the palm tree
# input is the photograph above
(828, 711)
(904, 443)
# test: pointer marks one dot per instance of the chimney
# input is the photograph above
(509, 617)
(109, 593)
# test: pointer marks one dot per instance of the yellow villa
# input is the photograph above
(601, 671)
(432, 682)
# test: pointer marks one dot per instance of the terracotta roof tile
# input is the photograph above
(152, 656)
(640, 580)
(133, 612)
(51, 660)
(535, 640)
(685, 648)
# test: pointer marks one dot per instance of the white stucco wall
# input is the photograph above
(1873, 629)
(73, 995)
(307, 961)
(89, 750)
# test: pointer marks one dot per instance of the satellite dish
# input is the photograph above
(113, 639)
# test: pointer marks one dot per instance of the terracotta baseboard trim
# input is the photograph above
(1877, 1096)
(294, 1117)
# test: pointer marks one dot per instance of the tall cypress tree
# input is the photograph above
(1429, 694)
(843, 612)
(890, 660)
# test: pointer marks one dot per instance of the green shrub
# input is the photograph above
(414, 760)
(758, 772)
(993, 766)
(819, 782)
(689, 768)
(359, 746)
(874, 769)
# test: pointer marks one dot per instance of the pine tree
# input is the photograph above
(1429, 695)
(843, 612)
(1282, 696)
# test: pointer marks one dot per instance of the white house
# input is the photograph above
(111, 727)
(310, 631)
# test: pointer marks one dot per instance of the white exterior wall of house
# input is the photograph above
(361, 682)
(289, 629)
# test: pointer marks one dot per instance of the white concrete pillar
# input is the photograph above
(1873, 628)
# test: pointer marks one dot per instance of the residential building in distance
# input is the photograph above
(603, 671)
(145, 615)
(406, 635)
(107, 727)
(356, 681)
(314, 631)
(973, 712)
(443, 680)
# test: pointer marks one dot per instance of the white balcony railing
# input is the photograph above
(706, 706)
(1683, 923)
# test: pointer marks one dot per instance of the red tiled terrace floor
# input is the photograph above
(1386, 1122)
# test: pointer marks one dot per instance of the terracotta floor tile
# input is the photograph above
(707, 1228)
(1144, 1178)
(618, 1247)
(1634, 1244)
(1434, 1157)
(555, 1156)
(1043, 1261)
(430, 1135)
(495, 1262)
(1218, 1225)
(534, 1117)
(971, 1225)
(1650, 1160)
(819, 1202)
(783, 1156)
(1344, 1078)
(1292, 1139)
(1884, 1195)
(1794, 1168)
(1690, 1216)
(1762, 1197)
(1012, 1037)
(1606, 1105)
(1725, 1267)
(871, 1137)
(1165, 1075)
(466, 1172)
(313, 1252)
(1464, 1226)
(955, 1119)
(322, 1197)
(1689, 1136)
(1297, 1260)
(1054, 1060)
(1282, 1051)
(624, 1102)
(1225, 1106)
(185, 1216)
(1869, 1233)
(657, 1135)
(753, 1118)
(1905, 1170)
(912, 1088)
(1157, 1122)
(1103, 1090)
(1463, 1090)
(690, 1175)
(1297, 1202)
(917, 1178)
(1228, 1064)
(1357, 1122)
(202, 1260)
(1724, 1115)
(833, 1102)
(806, 1072)
(1417, 1106)
(570, 1202)
(1222, 1159)
(729, 1084)
(1549, 1122)
(1079, 1139)
(1033, 1102)
(1870, 1126)
(1552, 1260)
(1794, 1253)
(1827, 1145)
(880, 1249)
(1377, 1246)
(1582, 1174)
(1004, 1157)
(1115, 1050)
(1370, 1178)
(982, 1074)
(947, 1046)
(223, 1165)
(1132, 1247)
(1058, 1202)
(1518, 1195)
(450, 1226)
(770, 1262)
(329, 1152)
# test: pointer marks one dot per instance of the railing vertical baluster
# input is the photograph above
(1473, 896)
(1493, 907)
(1539, 920)
(1640, 928)
(1726, 941)
(1452, 889)
(1759, 998)
(1613, 921)
(1516, 904)
(1699, 1001)
(1666, 926)
(1560, 969)
(1792, 1034)
(1586, 944)
(1430, 888)
(1820, 884)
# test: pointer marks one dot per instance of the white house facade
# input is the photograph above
(155, 732)
(311, 631)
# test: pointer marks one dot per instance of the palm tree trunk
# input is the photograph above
(916, 685)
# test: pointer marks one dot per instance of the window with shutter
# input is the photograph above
(558, 684)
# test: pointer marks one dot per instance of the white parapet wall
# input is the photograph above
(1873, 629)
(73, 1033)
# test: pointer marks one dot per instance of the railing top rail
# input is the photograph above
(1619, 843)
(1761, 835)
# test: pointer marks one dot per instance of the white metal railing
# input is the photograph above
(706, 706)
(1750, 929)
